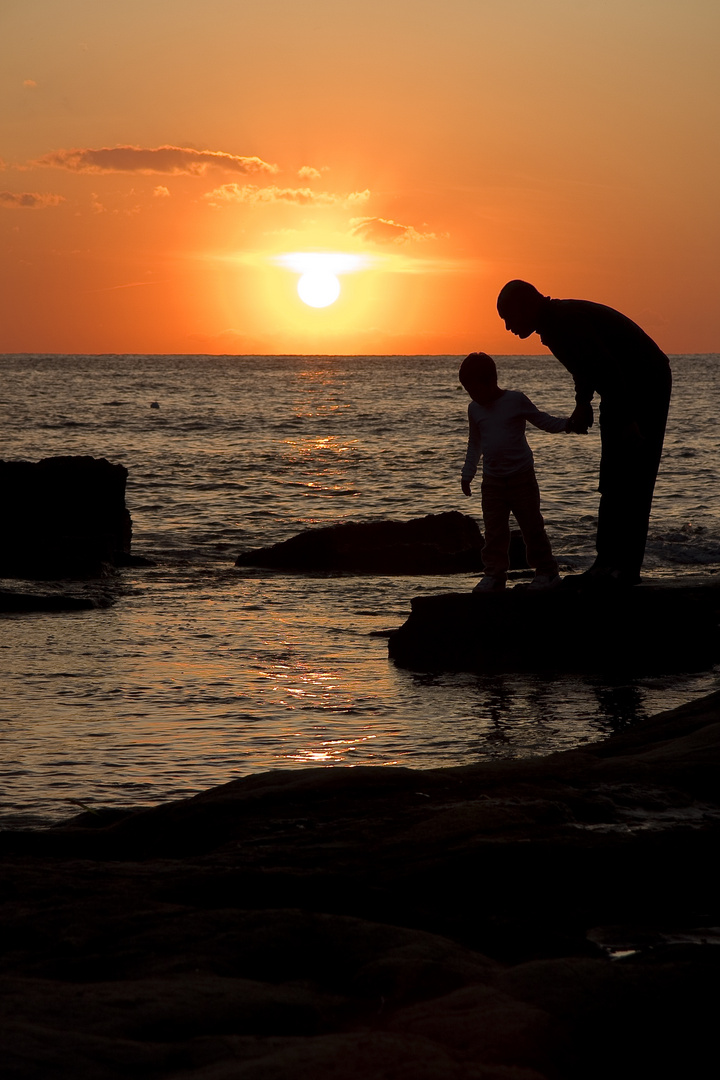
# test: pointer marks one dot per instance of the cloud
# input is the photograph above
(28, 200)
(357, 197)
(172, 160)
(307, 172)
(249, 193)
(29, 84)
(161, 192)
(386, 231)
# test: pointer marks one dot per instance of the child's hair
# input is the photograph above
(477, 367)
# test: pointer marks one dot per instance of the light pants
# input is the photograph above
(517, 494)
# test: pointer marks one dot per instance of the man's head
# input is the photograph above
(519, 307)
(478, 375)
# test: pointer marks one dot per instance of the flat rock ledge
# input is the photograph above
(552, 918)
(643, 630)
(448, 543)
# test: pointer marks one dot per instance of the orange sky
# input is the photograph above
(157, 157)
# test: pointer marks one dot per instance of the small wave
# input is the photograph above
(689, 544)
(60, 424)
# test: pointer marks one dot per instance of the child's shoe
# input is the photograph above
(489, 584)
(544, 582)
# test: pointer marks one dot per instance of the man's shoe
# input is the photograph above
(624, 579)
(545, 582)
(603, 578)
(490, 584)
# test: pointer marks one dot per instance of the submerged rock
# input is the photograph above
(646, 629)
(446, 543)
(16, 602)
(63, 517)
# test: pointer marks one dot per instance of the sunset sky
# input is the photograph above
(167, 165)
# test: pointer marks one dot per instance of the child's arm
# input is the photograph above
(472, 457)
(544, 420)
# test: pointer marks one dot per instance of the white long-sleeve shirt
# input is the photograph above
(497, 433)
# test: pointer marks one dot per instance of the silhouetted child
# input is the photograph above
(497, 433)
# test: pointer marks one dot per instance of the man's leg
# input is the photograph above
(628, 470)
(616, 487)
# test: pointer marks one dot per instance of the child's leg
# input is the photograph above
(496, 518)
(525, 505)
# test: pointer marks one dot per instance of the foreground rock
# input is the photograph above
(647, 629)
(339, 924)
(63, 517)
(447, 543)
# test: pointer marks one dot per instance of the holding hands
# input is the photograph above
(581, 419)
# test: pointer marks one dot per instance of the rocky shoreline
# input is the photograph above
(553, 917)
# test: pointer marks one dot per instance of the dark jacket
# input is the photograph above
(606, 353)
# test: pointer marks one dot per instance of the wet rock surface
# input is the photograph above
(646, 629)
(435, 544)
(543, 918)
(21, 597)
(63, 517)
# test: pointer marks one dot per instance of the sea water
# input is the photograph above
(202, 672)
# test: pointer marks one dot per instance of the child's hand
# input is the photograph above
(465, 485)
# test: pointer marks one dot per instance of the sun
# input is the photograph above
(318, 288)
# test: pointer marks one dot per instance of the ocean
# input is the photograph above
(202, 672)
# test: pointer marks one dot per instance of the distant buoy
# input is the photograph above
(154, 405)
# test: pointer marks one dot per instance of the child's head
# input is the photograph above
(478, 375)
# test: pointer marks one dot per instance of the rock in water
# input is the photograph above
(647, 629)
(435, 544)
(63, 517)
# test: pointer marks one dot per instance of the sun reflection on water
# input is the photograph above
(330, 751)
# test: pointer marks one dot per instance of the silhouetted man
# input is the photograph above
(609, 355)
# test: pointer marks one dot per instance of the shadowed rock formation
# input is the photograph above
(544, 919)
(63, 517)
(646, 629)
(435, 544)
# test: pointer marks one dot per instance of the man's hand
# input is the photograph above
(582, 418)
(465, 485)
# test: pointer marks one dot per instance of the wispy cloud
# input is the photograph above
(171, 160)
(308, 172)
(28, 200)
(386, 231)
(249, 193)
(129, 285)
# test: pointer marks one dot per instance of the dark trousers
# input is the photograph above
(628, 470)
(517, 494)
